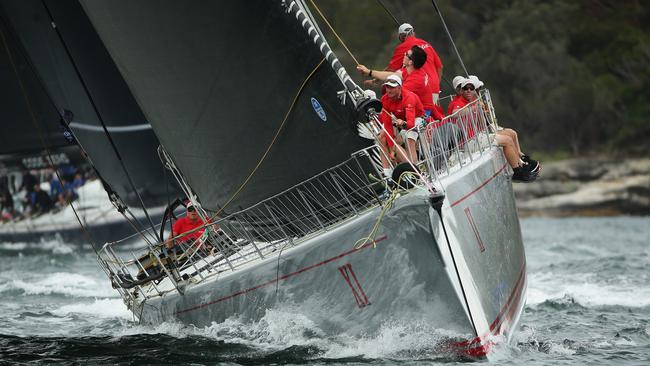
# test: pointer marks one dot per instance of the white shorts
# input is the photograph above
(408, 134)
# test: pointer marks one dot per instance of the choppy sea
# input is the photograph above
(588, 303)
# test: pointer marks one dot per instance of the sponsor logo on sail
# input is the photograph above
(318, 109)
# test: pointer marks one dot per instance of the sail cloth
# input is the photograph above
(27, 115)
(131, 133)
(216, 79)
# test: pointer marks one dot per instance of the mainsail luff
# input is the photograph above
(217, 82)
(34, 29)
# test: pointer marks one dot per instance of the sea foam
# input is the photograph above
(60, 283)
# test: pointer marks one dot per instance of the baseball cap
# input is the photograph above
(467, 82)
(457, 81)
(404, 29)
(475, 81)
(393, 80)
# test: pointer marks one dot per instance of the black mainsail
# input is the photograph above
(216, 80)
(29, 122)
(32, 22)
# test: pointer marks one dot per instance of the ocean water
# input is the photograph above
(588, 303)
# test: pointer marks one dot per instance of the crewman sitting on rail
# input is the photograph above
(525, 168)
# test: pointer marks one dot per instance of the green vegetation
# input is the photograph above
(572, 76)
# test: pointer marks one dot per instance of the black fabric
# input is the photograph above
(26, 113)
(216, 79)
(108, 90)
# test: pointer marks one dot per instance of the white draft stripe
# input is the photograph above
(132, 128)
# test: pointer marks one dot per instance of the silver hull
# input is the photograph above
(470, 281)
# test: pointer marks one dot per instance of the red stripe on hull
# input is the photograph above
(289, 275)
(476, 347)
(479, 187)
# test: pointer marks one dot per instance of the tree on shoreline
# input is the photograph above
(570, 76)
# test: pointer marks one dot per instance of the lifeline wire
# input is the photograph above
(450, 37)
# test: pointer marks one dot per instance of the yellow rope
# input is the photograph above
(387, 206)
(333, 31)
(277, 133)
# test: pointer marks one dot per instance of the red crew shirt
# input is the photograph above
(431, 66)
(457, 102)
(418, 82)
(184, 225)
(405, 108)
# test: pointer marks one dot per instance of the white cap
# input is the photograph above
(457, 81)
(370, 93)
(393, 80)
(405, 29)
(468, 82)
(475, 81)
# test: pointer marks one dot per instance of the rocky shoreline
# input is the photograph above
(587, 187)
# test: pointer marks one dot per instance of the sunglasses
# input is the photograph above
(468, 87)
(407, 55)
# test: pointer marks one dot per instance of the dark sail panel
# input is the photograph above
(216, 80)
(129, 129)
(29, 121)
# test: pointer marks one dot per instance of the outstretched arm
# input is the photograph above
(377, 74)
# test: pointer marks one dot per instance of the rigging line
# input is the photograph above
(453, 259)
(268, 149)
(450, 37)
(56, 107)
(397, 23)
(388, 11)
(89, 237)
(333, 31)
(99, 116)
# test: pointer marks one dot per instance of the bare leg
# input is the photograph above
(402, 155)
(384, 149)
(513, 135)
(412, 150)
(509, 150)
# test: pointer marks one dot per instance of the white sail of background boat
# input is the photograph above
(257, 120)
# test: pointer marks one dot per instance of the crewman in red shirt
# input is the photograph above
(185, 224)
(457, 102)
(433, 64)
(414, 78)
(400, 108)
(525, 168)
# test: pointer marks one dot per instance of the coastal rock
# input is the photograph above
(588, 187)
